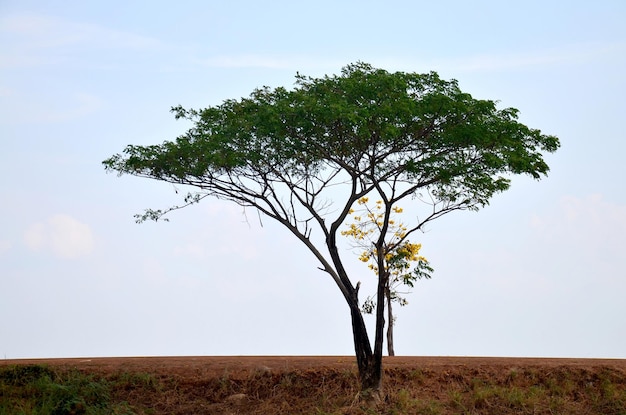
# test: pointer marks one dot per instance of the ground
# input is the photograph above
(328, 384)
(242, 366)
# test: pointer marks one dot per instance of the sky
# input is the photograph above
(540, 272)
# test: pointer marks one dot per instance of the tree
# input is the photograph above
(398, 253)
(305, 156)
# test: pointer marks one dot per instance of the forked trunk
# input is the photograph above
(369, 364)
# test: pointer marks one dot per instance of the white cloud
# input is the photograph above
(572, 54)
(36, 39)
(47, 31)
(62, 235)
(565, 55)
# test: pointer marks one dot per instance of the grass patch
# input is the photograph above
(43, 390)
(37, 389)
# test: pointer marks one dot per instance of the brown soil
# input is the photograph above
(328, 384)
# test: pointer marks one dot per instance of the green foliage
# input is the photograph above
(24, 375)
(372, 124)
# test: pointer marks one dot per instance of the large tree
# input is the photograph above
(305, 156)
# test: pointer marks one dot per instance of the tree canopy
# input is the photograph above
(304, 156)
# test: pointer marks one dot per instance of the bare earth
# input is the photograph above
(237, 366)
(328, 384)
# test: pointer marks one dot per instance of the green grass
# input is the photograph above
(38, 390)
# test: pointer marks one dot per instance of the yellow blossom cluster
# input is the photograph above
(367, 225)
(410, 251)
(357, 232)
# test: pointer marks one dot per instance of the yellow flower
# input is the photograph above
(397, 209)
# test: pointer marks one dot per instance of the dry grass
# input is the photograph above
(454, 390)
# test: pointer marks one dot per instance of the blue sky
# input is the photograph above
(540, 272)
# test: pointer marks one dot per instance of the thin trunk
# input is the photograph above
(380, 312)
(390, 350)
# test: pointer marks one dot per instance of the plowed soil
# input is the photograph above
(328, 384)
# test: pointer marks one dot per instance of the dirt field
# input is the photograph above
(237, 366)
(328, 384)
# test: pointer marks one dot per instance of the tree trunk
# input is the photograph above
(369, 364)
(390, 350)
